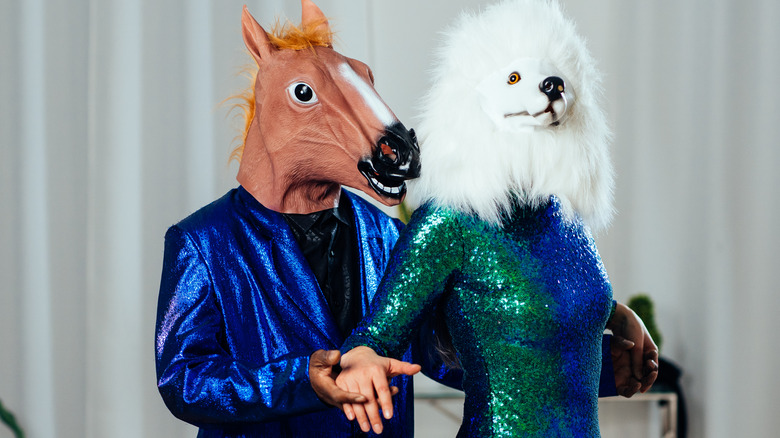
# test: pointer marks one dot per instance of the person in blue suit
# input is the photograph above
(241, 313)
(258, 285)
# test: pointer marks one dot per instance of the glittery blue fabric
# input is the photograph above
(239, 314)
(526, 304)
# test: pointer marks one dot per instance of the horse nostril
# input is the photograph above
(396, 155)
(388, 152)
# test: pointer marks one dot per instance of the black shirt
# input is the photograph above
(328, 240)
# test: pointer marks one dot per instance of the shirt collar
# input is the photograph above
(342, 213)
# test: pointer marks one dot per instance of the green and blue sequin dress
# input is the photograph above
(526, 303)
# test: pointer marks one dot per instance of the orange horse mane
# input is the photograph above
(289, 37)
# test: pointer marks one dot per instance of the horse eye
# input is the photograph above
(513, 78)
(303, 93)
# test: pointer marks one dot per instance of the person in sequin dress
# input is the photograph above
(516, 175)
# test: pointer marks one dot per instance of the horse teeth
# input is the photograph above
(391, 190)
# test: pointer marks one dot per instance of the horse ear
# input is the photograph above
(311, 14)
(255, 37)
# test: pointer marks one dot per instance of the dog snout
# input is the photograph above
(553, 87)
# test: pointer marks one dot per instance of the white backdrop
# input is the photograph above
(111, 131)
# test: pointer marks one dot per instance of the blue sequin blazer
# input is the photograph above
(239, 314)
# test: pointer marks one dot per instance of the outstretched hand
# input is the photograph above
(323, 379)
(365, 372)
(634, 354)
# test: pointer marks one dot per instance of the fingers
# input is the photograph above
(321, 365)
(630, 388)
(650, 363)
(648, 381)
(634, 354)
(359, 412)
(365, 372)
(651, 353)
(398, 367)
(625, 382)
(338, 397)
(650, 371)
(366, 413)
(325, 359)
(348, 411)
(620, 343)
(637, 362)
(364, 421)
(384, 396)
(372, 412)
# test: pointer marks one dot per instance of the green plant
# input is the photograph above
(9, 420)
(643, 306)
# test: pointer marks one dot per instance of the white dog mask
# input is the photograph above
(488, 139)
(527, 93)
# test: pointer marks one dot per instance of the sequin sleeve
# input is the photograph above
(428, 251)
(197, 377)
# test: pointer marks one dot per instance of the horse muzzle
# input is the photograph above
(395, 159)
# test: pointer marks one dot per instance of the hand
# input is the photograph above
(625, 382)
(636, 358)
(323, 381)
(363, 371)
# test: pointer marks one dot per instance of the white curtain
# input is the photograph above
(111, 131)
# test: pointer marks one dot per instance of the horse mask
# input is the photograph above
(318, 123)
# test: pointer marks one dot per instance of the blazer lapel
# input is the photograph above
(300, 285)
(290, 276)
(371, 252)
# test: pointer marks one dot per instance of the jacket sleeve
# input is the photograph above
(198, 379)
(411, 286)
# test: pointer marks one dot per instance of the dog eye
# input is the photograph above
(513, 78)
(302, 93)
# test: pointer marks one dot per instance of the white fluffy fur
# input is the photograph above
(470, 165)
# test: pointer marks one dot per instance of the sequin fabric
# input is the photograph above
(239, 314)
(526, 304)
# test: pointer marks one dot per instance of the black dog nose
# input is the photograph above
(553, 87)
